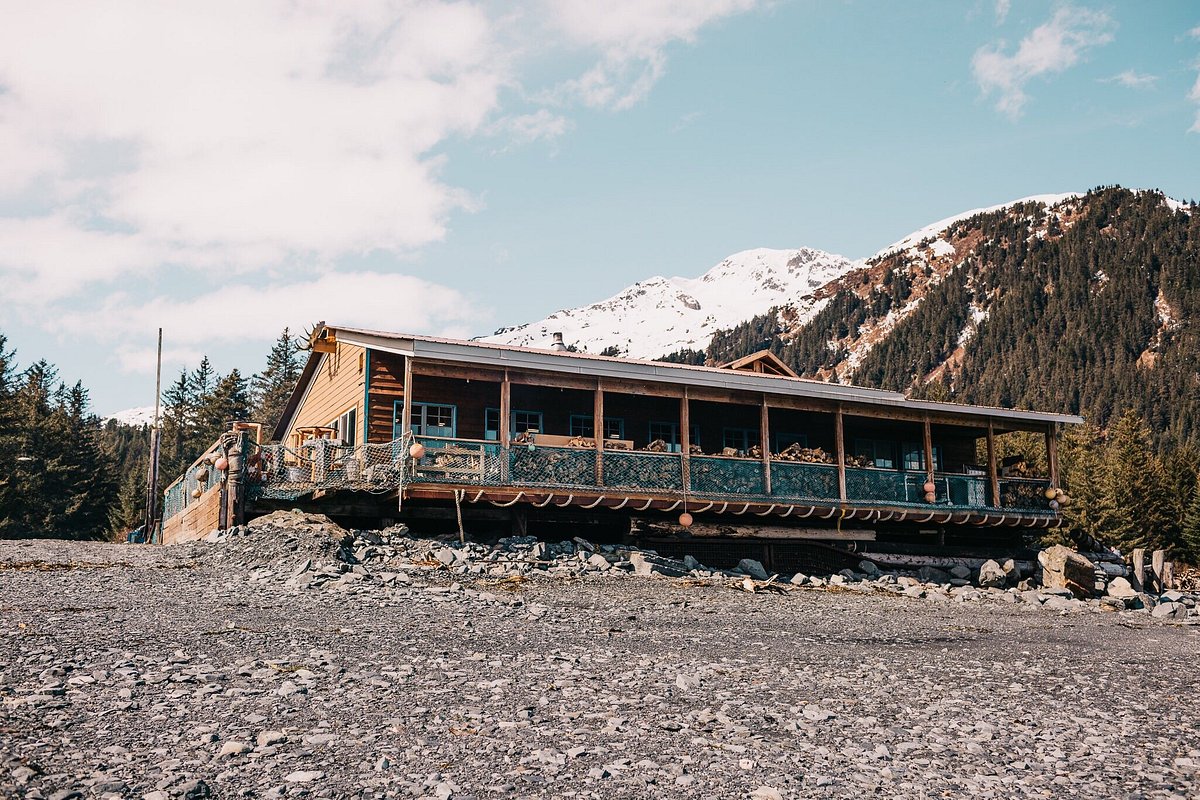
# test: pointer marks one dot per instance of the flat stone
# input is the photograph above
(929, 574)
(234, 748)
(992, 575)
(304, 776)
(269, 738)
(1169, 610)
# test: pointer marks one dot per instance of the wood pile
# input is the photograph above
(806, 455)
(582, 441)
(524, 437)
(610, 444)
(1019, 469)
(657, 446)
(861, 462)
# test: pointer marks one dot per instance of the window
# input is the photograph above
(523, 421)
(880, 452)
(785, 440)
(914, 457)
(740, 438)
(582, 425)
(430, 419)
(346, 426)
(518, 422)
(669, 433)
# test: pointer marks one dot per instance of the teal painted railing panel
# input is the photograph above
(882, 485)
(804, 481)
(654, 471)
(570, 467)
(739, 476)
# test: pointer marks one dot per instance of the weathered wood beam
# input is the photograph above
(406, 423)
(840, 443)
(929, 463)
(685, 439)
(598, 430)
(764, 440)
(1052, 453)
(993, 473)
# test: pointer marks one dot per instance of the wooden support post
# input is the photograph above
(1168, 575)
(406, 406)
(1157, 559)
(840, 440)
(685, 439)
(1139, 569)
(993, 474)
(1052, 454)
(929, 465)
(598, 431)
(764, 442)
(505, 432)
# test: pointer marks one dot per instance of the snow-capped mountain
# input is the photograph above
(662, 315)
(137, 417)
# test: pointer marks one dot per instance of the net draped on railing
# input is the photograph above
(282, 473)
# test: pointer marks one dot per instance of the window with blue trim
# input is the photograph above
(880, 452)
(518, 422)
(914, 457)
(432, 419)
(583, 425)
(669, 433)
(739, 438)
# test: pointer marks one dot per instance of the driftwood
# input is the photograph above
(657, 446)
(582, 441)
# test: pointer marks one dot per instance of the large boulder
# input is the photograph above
(753, 568)
(1121, 588)
(1063, 568)
(992, 575)
(928, 574)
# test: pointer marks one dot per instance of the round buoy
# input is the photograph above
(196, 493)
(1051, 493)
(929, 487)
(685, 519)
(222, 464)
(1064, 500)
(1054, 504)
(930, 497)
(417, 451)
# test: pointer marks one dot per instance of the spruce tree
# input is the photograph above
(272, 387)
(1135, 510)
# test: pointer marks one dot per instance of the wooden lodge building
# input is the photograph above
(386, 427)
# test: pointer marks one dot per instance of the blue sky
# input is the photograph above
(453, 167)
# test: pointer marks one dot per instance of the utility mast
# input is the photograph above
(152, 470)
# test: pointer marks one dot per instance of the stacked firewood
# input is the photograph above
(582, 441)
(695, 450)
(611, 444)
(657, 446)
(807, 455)
(1019, 469)
(862, 462)
(524, 437)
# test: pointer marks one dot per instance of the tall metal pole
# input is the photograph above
(152, 471)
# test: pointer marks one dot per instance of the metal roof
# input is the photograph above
(499, 355)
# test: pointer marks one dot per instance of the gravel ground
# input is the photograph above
(191, 671)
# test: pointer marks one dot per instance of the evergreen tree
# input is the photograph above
(272, 387)
(228, 401)
(128, 510)
(1190, 533)
(9, 439)
(1134, 509)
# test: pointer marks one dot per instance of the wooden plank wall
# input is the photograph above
(387, 389)
(196, 521)
(337, 386)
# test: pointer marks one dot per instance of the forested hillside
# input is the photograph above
(1090, 307)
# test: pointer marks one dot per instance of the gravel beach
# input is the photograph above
(276, 669)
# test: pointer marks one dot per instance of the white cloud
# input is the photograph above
(1132, 79)
(631, 37)
(246, 312)
(171, 148)
(1002, 9)
(1194, 96)
(1053, 46)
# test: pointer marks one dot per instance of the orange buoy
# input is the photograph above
(929, 487)
(930, 497)
(685, 519)
(417, 451)
(222, 463)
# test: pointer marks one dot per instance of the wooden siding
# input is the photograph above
(387, 388)
(196, 521)
(336, 387)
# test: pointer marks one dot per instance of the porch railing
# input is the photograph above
(282, 473)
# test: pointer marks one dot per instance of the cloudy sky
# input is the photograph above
(225, 169)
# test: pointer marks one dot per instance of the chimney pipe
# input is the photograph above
(557, 343)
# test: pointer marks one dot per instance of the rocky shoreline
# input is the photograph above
(295, 659)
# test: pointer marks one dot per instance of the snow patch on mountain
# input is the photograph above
(661, 315)
(937, 228)
(137, 417)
